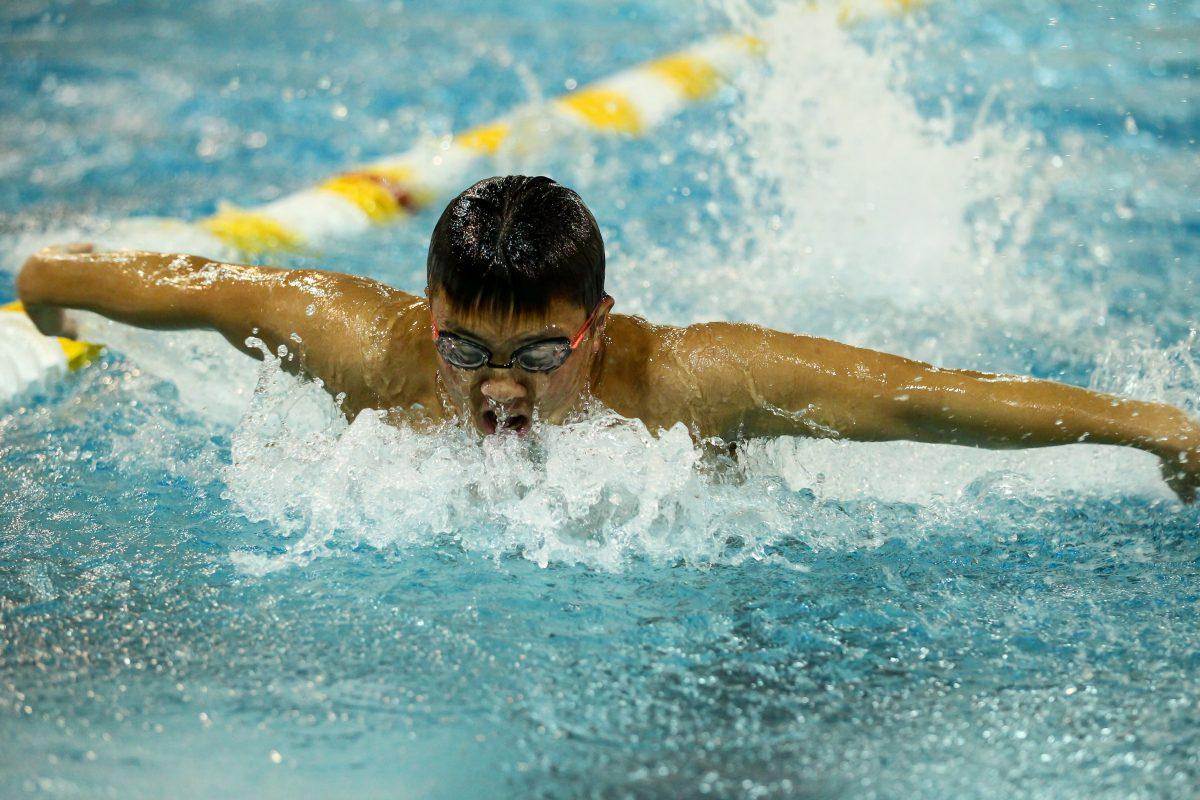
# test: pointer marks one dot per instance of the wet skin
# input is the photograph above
(372, 345)
(512, 398)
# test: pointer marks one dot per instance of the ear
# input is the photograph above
(601, 321)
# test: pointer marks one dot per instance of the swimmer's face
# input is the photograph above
(497, 399)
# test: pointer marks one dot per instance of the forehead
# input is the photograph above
(560, 317)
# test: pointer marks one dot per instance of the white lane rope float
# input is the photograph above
(628, 103)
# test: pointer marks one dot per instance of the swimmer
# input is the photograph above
(515, 329)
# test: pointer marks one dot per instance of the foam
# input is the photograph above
(604, 489)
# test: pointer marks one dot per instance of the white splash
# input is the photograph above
(845, 196)
(595, 491)
(603, 490)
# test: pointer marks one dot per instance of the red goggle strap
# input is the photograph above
(587, 323)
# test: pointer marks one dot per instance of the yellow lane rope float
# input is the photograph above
(630, 102)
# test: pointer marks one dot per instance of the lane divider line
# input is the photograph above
(628, 103)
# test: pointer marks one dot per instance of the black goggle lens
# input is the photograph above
(461, 353)
(542, 356)
(537, 357)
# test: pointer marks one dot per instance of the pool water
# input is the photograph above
(211, 585)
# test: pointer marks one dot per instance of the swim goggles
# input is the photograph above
(544, 355)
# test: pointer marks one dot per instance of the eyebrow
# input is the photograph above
(551, 331)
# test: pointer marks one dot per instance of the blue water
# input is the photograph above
(210, 586)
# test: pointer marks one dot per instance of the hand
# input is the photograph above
(50, 320)
(1182, 473)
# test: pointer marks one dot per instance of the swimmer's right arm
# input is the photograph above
(328, 321)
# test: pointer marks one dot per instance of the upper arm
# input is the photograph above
(737, 380)
(335, 327)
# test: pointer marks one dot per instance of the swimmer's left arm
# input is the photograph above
(757, 382)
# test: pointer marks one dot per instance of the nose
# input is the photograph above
(503, 390)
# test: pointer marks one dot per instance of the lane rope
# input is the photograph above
(630, 102)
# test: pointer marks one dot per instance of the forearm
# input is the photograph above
(151, 290)
(1005, 411)
(164, 291)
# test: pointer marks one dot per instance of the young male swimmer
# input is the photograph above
(516, 328)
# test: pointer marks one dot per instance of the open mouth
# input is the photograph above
(508, 423)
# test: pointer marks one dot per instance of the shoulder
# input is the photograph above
(398, 358)
(377, 349)
(395, 323)
(662, 373)
(667, 351)
(630, 352)
(705, 375)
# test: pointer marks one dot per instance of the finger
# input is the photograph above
(47, 319)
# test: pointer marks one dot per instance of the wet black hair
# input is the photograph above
(514, 243)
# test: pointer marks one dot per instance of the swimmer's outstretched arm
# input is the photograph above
(331, 324)
(755, 382)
